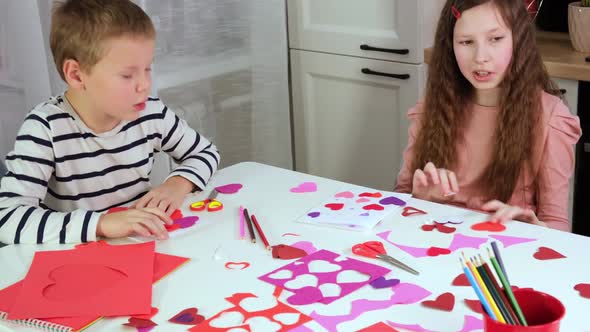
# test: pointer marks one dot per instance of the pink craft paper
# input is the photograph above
(409, 327)
(459, 241)
(231, 188)
(94, 281)
(269, 313)
(305, 187)
(508, 241)
(306, 246)
(471, 323)
(308, 295)
(403, 293)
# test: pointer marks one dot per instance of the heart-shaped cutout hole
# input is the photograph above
(301, 281)
(320, 266)
(351, 276)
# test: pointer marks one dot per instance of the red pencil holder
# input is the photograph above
(542, 312)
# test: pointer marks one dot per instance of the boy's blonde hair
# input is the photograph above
(80, 27)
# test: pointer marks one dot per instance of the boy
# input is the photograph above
(91, 149)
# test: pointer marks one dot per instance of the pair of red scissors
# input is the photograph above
(375, 249)
(211, 204)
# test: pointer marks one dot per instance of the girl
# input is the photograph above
(492, 133)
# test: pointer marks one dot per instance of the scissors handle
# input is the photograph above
(397, 263)
(198, 206)
(361, 250)
(214, 205)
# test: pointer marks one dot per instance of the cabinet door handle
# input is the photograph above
(366, 47)
(378, 73)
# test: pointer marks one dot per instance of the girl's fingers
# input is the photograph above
(432, 172)
(492, 205)
(140, 229)
(444, 182)
(453, 182)
(163, 206)
(153, 203)
(156, 227)
(420, 179)
(160, 214)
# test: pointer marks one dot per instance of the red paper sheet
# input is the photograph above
(100, 280)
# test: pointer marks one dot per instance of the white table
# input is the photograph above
(204, 282)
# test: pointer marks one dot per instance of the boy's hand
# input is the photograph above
(168, 196)
(504, 212)
(145, 221)
(434, 184)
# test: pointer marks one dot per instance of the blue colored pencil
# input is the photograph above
(478, 291)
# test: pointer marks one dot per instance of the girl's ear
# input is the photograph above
(73, 74)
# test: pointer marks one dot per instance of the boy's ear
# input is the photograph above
(73, 74)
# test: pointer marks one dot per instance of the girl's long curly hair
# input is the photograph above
(448, 94)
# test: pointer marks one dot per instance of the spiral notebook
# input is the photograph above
(163, 265)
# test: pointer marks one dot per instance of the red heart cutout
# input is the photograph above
(334, 206)
(172, 227)
(490, 226)
(177, 214)
(376, 207)
(374, 195)
(461, 280)
(411, 211)
(474, 305)
(283, 251)
(544, 253)
(237, 265)
(152, 313)
(139, 323)
(427, 228)
(583, 289)
(444, 229)
(445, 302)
(435, 251)
(187, 316)
(62, 289)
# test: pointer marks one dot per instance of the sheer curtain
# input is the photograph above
(222, 65)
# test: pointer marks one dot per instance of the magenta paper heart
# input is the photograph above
(392, 200)
(344, 194)
(305, 187)
(381, 282)
(186, 221)
(306, 295)
(313, 214)
(231, 188)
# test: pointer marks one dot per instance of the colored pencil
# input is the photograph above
(477, 290)
(250, 229)
(494, 292)
(500, 292)
(242, 223)
(260, 232)
(508, 290)
(499, 258)
(486, 292)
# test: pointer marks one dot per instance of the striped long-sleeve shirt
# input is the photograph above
(62, 176)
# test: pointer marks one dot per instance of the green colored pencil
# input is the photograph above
(508, 290)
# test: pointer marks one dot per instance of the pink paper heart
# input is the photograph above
(344, 194)
(363, 200)
(305, 187)
(306, 295)
(231, 188)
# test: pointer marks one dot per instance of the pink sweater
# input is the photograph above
(553, 161)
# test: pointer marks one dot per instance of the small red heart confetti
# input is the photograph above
(187, 316)
(177, 214)
(375, 207)
(474, 305)
(445, 229)
(435, 251)
(445, 302)
(139, 323)
(461, 280)
(411, 211)
(237, 265)
(583, 289)
(334, 206)
(490, 226)
(374, 195)
(147, 316)
(283, 251)
(427, 228)
(544, 253)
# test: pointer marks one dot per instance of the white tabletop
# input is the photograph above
(204, 281)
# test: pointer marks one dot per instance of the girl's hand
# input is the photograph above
(143, 221)
(168, 196)
(504, 212)
(434, 184)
